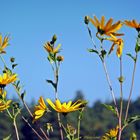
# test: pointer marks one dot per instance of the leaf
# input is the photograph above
(51, 82)
(14, 65)
(130, 55)
(7, 138)
(131, 120)
(17, 85)
(137, 48)
(23, 95)
(111, 108)
(93, 51)
(51, 58)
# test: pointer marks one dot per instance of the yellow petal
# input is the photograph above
(42, 103)
(69, 104)
(93, 22)
(56, 50)
(0, 40)
(102, 22)
(108, 24)
(51, 104)
(58, 104)
(39, 112)
(97, 21)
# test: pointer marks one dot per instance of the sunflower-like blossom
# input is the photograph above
(118, 42)
(66, 107)
(133, 24)
(4, 104)
(40, 109)
(108, 28)
(51, 49)
(3, 43)
(7, 78)
(112, 134)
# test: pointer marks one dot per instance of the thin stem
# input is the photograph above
(44, 133)
(9, 114)
(105, 69)
(90, 34)
(131, 89)
(15, 125)
(3, 60)
(121, 101)
(27, 108)
(79, 124)
(110, 87)
(56, 76)
(108, 78)
(32, 128)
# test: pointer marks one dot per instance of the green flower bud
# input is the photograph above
(86, 19)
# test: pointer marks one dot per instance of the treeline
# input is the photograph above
(96, 121)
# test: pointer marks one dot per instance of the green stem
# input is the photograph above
(79, 123)
(32, 128)
(15, 125)
(121, 102)
(3, 60)
(105, 69)
(110, 87)
(27, 108)
(8, 112)
(56, 76)
(131, 89)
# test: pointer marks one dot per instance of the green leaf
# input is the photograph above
(137, 48)
(14, 65)
(51, 82)
(7, 138)
(51, 58)
(110, 108)
(23, 95)
(130, 55)
(93, 51)
(131, 120)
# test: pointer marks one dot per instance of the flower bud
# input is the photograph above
(12, 59)
(86, 19)
(60, 58)
(54, 38)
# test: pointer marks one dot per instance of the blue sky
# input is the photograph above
(31, 23)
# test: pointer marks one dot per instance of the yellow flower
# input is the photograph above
(3, 43)
(50, 49)
(119, 43)
(133, 24)
(7, 79)
(113, 133)
(40, 109)
(4, 104)
(66, 107)
(108, 28)
(105, 138)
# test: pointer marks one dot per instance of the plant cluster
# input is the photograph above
(104, 32)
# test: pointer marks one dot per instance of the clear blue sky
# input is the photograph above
(31, 23)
